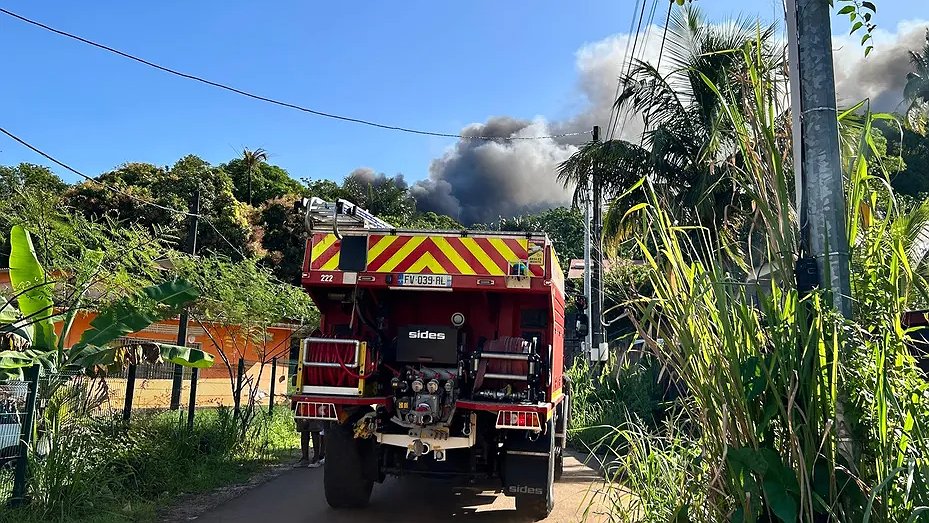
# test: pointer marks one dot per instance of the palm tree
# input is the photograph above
(685, 152)
(252, 160)
(916, 91)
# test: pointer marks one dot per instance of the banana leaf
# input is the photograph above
(33, 289)
(96, 359)
(8, 313)
(126, 315)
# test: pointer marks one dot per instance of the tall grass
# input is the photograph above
(609, 397)
(796, 413)
(101, 469)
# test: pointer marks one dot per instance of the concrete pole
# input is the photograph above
(818, 168)
(817, 164)
(596, 259)
(587, 239)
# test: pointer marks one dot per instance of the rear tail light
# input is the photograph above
(315, 410)
(514, 419)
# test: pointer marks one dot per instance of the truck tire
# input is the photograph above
(539, 507)
(344, 479)
(561, 427)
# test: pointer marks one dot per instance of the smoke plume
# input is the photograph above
(368, 177)
(478, 181)
(881, 75)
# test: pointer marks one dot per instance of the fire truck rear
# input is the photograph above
(438, 354)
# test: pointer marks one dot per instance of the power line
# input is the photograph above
(223, 237)
(288, 105)
(58, 162)
(630, 58)
(116, 190)
(619, 80)
(664, 37)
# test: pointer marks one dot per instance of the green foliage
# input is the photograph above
(282, 233)
(243, 294)
(103, 469)
(860, 14)
(28, 176)
(912, 149)
(687, 152)
(32, 287)
(611, 397)
(434, 222)
(126, 315)
(916, 91)
(174, 188)
(386, 197)
(268, 181)
(130, 315)
(793, 412)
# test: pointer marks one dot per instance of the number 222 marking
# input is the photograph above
(325, 278)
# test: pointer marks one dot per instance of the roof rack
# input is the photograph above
(340, 215)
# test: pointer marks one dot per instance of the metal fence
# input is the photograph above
(136, 390)
(13, 401)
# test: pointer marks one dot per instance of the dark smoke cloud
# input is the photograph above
(881, 75)
(368, 177)
(479, 181)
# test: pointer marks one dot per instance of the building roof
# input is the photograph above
(576, 268)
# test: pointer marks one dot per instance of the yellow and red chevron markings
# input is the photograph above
(430, 254)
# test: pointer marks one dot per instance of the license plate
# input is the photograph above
(424, 280)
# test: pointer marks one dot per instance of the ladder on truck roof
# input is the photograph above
(341, 215)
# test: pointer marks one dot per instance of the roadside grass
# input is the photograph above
(793, 412)
(610, 397)
(102, 470)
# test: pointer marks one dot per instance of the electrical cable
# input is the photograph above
(619, 79)
(629, 61)
(90, 179)
(651, 20)
(288, 105)
(116, 190)
(664, 37)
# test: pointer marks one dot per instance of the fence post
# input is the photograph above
(192, 402)
(130, 391)
(25, 437)
(240, 375)
(273, 381)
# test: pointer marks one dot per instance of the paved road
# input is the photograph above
(297, 496)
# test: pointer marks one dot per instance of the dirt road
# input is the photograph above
(297, 496)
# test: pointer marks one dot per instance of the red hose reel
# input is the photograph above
(335, 358)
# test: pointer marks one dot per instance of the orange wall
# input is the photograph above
(214, 386)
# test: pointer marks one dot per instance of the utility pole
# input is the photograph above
(178, 378)
(818, 172)
(588, 200)
(596, 258)
(817, 164)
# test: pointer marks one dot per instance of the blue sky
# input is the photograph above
(423, 64)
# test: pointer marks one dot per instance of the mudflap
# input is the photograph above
(528, 469)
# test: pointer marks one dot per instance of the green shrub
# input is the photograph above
(609, 397)
(100, 469)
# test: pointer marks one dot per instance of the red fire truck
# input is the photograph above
(438, 354)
